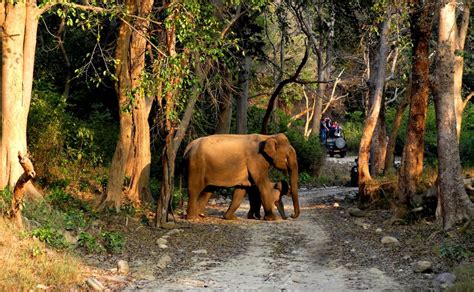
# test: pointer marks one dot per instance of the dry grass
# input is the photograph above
(27, 262)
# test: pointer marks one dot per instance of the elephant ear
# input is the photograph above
(270, 147)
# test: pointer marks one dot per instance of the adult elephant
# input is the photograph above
(239, 161)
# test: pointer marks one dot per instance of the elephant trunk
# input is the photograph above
(293, 173)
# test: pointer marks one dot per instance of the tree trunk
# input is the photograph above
(389, 156)
(225, 116)
(243, 96)
(459, 66)
(19, 24)
(455, 204)
(373, 114)
(173, 141)
(413, 151)
(379, 142)
(132, 155)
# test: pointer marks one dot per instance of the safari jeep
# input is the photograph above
(336, 145)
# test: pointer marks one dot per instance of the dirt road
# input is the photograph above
(283, 255)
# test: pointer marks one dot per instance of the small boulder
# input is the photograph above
(339, 197)
(122, 267)
(390, 240)
(444, 280)
(378, 230)
(199, 251)
(163, 262)
(95, 284)
(423, 267)
(356, 212)
(161, 241)
(168, 225)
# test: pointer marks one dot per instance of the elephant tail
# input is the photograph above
(188, 148)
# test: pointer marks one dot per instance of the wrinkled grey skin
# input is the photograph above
(239, 161)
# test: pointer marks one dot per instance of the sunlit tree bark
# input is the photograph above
(455, 204)
(19, 24)
(461, 34)
(413, 151)
(372, 117)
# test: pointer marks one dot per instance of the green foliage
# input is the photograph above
(62, 141)
(304, 178)
(464, 278)
(65, 201)
(89, 243)
(453, 251)
(5, 201)
(466, 140)
(310, 152)
(75, 219)
(353, 128)
(113, 241)
(51, 236)
(255, 117)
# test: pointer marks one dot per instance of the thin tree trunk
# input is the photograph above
(371, 120)
(389, 157)
(173, 141)
(379, 142)
(242, 98)
(459, 66)
(413, 151)
(279, 88)
(455, 204)
(225, 116)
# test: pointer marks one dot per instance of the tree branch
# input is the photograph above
(279, 88)
(466, 100)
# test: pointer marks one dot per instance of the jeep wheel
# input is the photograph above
(331, 154)
(343, 154)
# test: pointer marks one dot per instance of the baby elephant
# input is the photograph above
(278, 189)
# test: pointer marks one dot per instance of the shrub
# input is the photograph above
(5, 201)
(310, 152)
(113, 241)
(89, 243)
(50, 236)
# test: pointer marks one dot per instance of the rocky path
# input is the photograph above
(283, 255)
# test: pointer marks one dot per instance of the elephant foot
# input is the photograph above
(251, 215)
(270, 217)
(230, 217)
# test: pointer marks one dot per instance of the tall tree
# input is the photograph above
(413, 151)
(19, 24)
(455, 204)
(132, 155)
(376, 103)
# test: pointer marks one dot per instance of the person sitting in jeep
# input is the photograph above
(335, 142)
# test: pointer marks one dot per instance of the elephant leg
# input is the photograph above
(237, 197)
(265, 188)
(268, 203)
(255, 203)
(194, 191)
(202, 201)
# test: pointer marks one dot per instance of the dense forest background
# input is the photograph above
(119, 88)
